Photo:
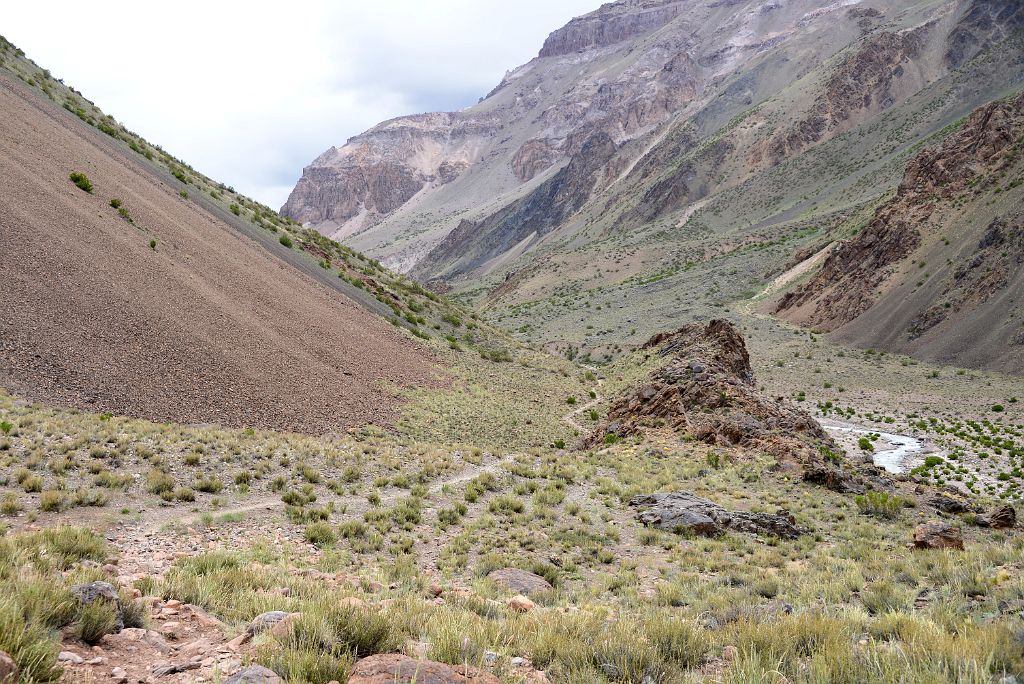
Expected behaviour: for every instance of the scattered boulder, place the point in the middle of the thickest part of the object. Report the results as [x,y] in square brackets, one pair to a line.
[1003,517]
[254,674]
[103,592]
[282,628]
[8,669]
[685,512]
[393,668]
[353,603]
[175,668]
[948,502]
[118,675]
[937,535]
[70,657]
[521,604]
[520,581]
[265,621]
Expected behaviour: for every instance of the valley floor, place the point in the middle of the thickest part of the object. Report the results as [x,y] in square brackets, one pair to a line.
[386,541]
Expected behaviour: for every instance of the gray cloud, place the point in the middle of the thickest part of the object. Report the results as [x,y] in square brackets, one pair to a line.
[249,92]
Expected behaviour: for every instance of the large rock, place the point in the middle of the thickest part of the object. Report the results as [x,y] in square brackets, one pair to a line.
[1003,517]
[937,535]
[100,591]
[8,669]
[265,621]
[254,674]
[685,512]
[393,668]
[520,581]
[707,391]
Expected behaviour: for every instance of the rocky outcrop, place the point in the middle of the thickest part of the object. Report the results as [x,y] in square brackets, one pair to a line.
[473,243]
[852,276]
[1004,517]
[687,513]
[613,23]
[377,172]
[937,535]
[867,80]
[982,24]
[707,392]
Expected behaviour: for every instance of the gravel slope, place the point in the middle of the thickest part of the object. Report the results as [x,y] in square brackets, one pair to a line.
[208,327]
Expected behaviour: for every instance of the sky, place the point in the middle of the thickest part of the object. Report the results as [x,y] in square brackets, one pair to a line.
[251,92]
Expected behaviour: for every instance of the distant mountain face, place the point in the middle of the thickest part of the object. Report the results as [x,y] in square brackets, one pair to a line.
[939,267]
[654,147]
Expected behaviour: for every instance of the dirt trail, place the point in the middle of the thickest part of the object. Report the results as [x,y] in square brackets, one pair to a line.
[570,418]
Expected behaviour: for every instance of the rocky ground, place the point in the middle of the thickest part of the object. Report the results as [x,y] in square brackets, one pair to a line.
[381,558]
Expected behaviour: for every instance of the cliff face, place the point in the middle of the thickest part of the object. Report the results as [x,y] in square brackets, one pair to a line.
[945,250]
[671,133]
[612,23]
[377,172]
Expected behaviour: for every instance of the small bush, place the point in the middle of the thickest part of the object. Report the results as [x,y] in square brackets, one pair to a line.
[81,180]
[95,621]
[51,501]
[319,534]
[286,241]
[879,504]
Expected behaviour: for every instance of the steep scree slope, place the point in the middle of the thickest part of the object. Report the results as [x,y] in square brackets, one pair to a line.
[205,326]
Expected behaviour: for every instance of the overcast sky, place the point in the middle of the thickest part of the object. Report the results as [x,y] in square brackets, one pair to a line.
[250,92]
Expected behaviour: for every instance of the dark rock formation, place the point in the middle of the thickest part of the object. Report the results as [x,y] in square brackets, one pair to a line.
[613,23]
[937,535]
[1003,517]
[537,214]
[685,512]
[707,391]
[852,276]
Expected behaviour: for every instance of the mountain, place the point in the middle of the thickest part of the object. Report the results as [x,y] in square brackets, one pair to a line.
[938,270]
[145,289]
[661,159]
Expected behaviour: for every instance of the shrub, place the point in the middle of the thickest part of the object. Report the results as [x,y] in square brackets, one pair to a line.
[998,408]
[81,180]
[159,482]
[879,504]
[286,241]
[235,209]
[95,621]
[115,203]
[10,506]
[51,501]
[319,534]
[210,485]
[865,444]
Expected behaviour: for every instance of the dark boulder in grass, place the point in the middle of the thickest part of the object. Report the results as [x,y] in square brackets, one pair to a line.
[8,669]
[103,592]
[1000,518]
[937,535]
[687,513]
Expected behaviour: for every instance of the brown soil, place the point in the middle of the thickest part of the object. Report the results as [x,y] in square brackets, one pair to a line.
[208,327]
